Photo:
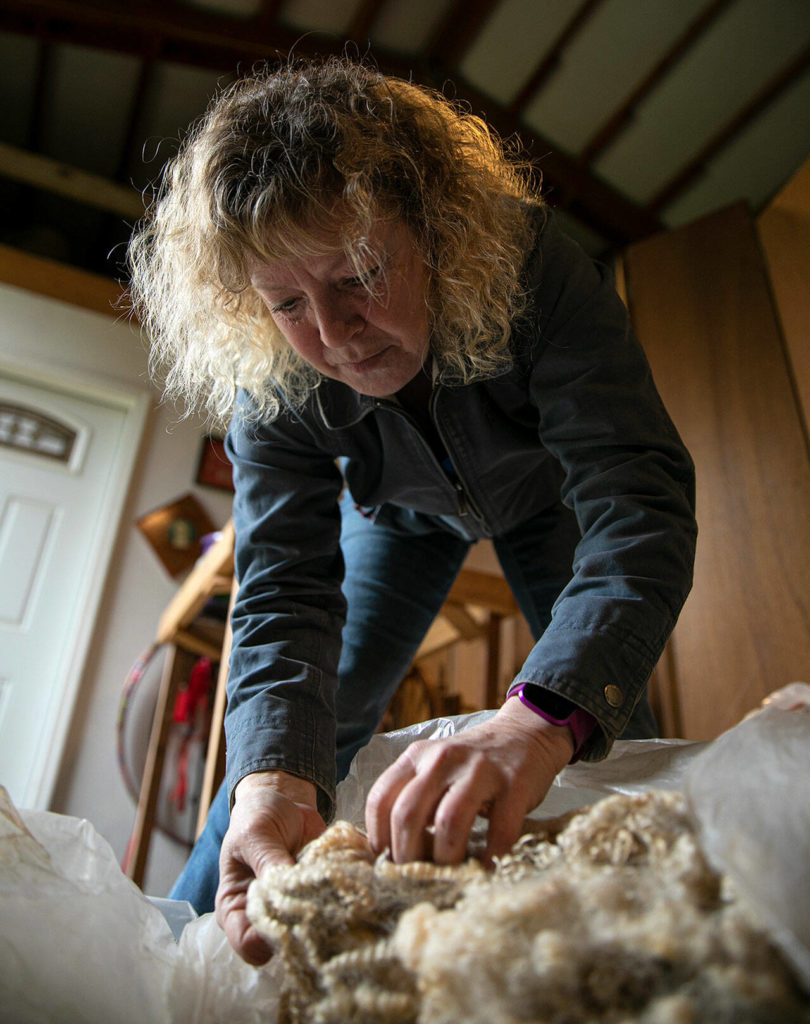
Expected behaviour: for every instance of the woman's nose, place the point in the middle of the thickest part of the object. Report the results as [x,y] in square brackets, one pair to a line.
[338,320]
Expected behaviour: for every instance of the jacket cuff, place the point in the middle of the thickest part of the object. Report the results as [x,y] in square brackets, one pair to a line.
[597,671]
[282,738]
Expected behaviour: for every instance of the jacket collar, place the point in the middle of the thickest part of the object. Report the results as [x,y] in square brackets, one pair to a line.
[340,406]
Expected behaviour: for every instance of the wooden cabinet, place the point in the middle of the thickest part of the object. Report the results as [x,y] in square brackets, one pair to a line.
[701,301]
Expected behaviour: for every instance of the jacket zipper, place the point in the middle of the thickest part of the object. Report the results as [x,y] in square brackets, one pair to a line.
[466,506]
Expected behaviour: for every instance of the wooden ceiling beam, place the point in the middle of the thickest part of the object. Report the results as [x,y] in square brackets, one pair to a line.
[756,105]
[207,36]
[566,183]
[267,17]
[59,281]
[456,31]
[225,43]
[132,141]
[551,61]
[37,119]
[49,175]
[366,15]
[611,128]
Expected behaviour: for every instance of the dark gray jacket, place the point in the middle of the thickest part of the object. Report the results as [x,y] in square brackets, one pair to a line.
[577,416]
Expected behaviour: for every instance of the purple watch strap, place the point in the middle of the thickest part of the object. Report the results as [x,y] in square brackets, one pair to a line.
[579,721]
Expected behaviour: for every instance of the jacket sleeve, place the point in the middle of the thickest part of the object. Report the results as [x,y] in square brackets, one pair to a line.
[630,482]
[289,610]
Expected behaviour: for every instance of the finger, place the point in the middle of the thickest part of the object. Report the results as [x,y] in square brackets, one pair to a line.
[415,808]
[241,933]
[411,818]
[380,802]
[506,819]
[456,813]
[231,911]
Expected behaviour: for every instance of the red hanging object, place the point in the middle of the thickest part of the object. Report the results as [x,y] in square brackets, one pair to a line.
[195,693]
[191,700]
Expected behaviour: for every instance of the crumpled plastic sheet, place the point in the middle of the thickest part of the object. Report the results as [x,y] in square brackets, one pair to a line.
[80,943]
[750,793]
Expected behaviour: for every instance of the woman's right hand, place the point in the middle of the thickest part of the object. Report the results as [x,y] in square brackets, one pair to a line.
[273,816]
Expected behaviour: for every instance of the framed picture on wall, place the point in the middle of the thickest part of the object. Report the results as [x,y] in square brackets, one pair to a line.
[175,532]
[214,468]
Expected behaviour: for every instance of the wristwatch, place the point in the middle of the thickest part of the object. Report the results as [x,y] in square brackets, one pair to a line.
[558,711]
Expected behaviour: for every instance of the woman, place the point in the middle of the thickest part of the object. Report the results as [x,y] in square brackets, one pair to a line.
[413,358]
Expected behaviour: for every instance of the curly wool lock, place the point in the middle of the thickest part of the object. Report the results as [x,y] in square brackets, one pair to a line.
[277,156]
[616,918]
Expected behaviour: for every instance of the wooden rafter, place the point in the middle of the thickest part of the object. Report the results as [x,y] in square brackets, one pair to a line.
[755,106]
[201,37]
[53,176]
[566,183]
[552,59]
[608,132]
[456,31]
[37,120]
[222,42]
[135,112]
[365,16]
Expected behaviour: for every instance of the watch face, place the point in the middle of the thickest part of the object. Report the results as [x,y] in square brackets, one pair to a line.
[549,702]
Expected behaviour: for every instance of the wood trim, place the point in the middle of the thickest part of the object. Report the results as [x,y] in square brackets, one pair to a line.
[59,281]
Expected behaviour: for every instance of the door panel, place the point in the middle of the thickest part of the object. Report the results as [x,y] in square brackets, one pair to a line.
[52,513]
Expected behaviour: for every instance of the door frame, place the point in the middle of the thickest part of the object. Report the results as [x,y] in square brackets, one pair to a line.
[135,405]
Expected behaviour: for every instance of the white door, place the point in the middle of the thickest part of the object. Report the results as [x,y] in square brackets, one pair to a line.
[64,461]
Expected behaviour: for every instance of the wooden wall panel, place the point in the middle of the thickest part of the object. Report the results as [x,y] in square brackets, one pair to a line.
[700,302]
[784,228]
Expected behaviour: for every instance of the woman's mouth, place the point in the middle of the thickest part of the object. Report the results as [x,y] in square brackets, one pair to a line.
[368,363]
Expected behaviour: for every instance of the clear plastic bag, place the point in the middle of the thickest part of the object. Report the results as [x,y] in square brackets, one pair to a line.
[750,792]
[79,942]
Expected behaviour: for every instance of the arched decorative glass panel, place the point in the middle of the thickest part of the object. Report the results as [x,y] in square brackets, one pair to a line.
[30,431]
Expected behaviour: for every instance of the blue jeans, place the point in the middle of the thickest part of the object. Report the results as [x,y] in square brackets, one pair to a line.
[399,570]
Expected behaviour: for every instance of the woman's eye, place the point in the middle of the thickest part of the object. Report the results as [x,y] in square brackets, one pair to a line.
[286,308]
[365,279]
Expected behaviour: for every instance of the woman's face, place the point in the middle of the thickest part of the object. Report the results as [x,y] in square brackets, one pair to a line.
[368,330]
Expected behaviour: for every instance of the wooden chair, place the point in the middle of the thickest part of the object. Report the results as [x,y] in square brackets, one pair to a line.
[187,636]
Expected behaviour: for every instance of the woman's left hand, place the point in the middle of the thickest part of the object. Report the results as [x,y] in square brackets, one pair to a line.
[501,769]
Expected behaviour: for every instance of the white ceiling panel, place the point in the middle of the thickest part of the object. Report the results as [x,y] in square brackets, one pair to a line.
[331,16]
[87,91]
[178,94]
[18,63]
[727,68]
[109,88]
[755,162]
[408,26]
[512,43]
[620,45]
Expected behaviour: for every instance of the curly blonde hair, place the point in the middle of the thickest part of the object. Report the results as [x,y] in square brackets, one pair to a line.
[260,175]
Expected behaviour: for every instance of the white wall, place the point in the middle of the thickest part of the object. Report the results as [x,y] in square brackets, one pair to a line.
[138,587]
